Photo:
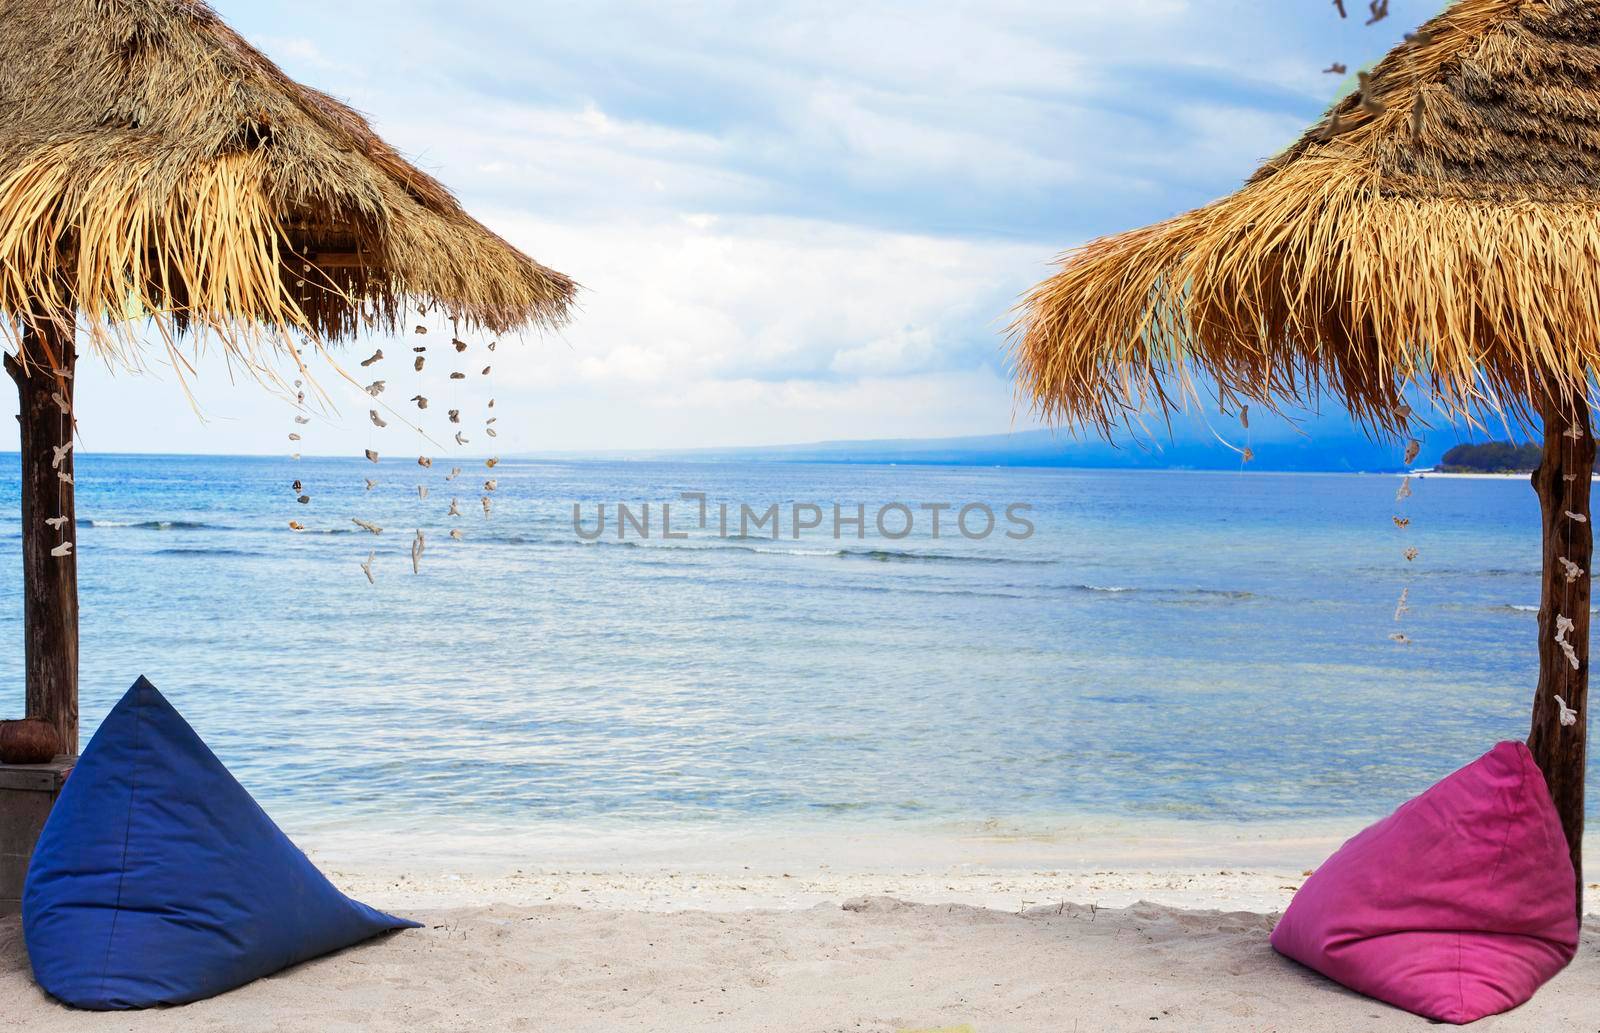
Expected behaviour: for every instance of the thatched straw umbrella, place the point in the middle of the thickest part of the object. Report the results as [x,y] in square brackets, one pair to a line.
[154,164]
[1438,232]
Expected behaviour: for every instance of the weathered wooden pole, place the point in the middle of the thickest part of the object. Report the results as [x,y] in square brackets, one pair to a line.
[49,583]
[1562,482]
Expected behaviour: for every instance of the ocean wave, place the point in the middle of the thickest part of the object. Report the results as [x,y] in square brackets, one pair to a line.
[943,593]
[765,550]
[1170,595]
[1195,596]
[154,525]
[737,544]
[914,556]
[202,552]
[1451,572]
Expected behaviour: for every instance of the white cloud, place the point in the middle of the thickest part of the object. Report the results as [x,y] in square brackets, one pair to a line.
[773,298]
[692,332]
[905,350]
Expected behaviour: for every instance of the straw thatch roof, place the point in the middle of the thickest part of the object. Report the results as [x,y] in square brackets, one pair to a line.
[154,163]
[1445,233]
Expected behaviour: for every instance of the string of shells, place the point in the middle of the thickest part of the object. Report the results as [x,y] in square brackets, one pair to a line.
[490,483]
[296,443]
[1566,715]
[1403,523]
[425,365]
[58,458]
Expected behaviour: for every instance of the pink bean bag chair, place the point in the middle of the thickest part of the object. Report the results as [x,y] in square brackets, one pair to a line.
[1458,905]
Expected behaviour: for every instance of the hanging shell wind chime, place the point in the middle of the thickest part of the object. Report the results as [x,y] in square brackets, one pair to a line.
[1403,606]
[59,455]
[454,412]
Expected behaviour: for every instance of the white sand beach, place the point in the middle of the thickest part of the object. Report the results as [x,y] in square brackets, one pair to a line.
[979,938]
[869,963]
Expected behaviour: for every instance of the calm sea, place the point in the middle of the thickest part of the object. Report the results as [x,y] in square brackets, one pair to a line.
[1204,646]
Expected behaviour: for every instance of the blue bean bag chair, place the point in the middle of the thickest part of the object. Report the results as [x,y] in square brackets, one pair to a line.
[158,880]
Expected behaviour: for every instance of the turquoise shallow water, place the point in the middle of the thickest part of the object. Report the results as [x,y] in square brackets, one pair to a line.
[1165,646]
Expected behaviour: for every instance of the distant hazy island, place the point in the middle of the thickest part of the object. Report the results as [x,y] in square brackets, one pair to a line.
[1490,457]
[1325,443]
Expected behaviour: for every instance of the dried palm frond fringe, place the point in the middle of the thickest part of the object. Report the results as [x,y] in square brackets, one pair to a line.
[155,166]
[1450,243]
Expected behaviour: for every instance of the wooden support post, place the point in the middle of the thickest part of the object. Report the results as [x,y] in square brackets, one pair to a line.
[49,583]
[1562,482]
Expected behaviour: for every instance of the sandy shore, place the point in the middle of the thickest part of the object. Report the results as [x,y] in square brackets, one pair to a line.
[1113,864]
[1127,929]
[866,965]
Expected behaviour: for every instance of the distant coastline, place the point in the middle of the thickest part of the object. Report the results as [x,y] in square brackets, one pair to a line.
[1491,457]
[1327,447]
[1467,475]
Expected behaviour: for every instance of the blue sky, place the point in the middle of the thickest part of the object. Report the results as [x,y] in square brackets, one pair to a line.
[794,221]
